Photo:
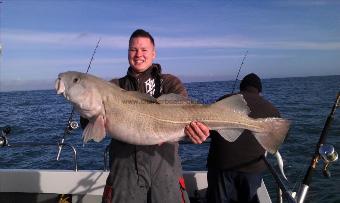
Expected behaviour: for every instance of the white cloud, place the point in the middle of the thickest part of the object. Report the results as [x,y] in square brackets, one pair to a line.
[304,45]
[20,37]
[63,62]
[305,3]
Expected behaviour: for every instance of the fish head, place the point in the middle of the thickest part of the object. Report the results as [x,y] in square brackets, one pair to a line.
[81,91]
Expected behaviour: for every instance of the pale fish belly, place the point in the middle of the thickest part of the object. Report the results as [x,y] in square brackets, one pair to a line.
[141,129]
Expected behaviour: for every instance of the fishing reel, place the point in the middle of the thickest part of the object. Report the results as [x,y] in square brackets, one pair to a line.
[72,125]
[3,137]
[328,155]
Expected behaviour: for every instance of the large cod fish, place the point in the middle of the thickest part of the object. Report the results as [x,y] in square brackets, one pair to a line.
[140,119]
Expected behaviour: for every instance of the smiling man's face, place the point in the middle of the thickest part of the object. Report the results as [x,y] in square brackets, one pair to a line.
[141,54]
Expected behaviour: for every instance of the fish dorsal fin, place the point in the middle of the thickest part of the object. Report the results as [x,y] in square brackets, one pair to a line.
[235,102]
[141,96]
[230,134]
[173,99]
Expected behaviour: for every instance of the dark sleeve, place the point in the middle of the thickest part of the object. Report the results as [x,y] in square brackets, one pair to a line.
[83,122]
[276,112]
[171,84]
[115,81]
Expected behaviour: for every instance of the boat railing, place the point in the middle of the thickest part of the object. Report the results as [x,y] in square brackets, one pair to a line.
[4,142]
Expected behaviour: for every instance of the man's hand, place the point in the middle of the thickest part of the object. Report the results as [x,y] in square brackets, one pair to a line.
[197,132]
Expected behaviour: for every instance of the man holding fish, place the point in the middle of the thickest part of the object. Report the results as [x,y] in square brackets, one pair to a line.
[148,173]
[148,119]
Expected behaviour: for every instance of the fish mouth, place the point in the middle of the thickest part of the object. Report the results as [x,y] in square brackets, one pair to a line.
[59,86]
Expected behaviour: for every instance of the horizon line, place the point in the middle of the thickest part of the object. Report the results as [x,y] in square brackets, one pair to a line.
[51,83]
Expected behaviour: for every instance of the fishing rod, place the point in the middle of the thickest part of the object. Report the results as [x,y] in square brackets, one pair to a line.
[239,70]
[322,152]
[286,192]
[72,125]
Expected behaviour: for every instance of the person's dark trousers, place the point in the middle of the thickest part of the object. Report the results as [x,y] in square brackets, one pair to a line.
[232,186]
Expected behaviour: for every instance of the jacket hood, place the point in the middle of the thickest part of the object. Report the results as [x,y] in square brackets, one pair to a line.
[154,70]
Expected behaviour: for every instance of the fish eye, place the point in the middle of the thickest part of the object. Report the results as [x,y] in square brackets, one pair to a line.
[75,80]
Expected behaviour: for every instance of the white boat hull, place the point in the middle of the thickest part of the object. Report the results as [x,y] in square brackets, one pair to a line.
[85,186]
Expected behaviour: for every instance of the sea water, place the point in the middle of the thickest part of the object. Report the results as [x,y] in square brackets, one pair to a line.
[38,120]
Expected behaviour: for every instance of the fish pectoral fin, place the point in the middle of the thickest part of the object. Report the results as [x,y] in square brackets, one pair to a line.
[95,130]
[230,134]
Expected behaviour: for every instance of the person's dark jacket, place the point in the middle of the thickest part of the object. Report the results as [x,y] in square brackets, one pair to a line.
[163,83]
[243,154]
[137,166]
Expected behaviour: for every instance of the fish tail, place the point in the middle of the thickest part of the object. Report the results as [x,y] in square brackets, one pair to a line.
[272,134]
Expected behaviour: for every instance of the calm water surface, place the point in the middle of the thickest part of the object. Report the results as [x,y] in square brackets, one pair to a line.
[40,117]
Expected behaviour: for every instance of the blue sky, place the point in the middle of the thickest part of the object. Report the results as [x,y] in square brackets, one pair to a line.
[195,40]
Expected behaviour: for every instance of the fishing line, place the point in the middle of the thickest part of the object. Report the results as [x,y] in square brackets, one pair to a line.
[87,70]
[92,57]
[239,70]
